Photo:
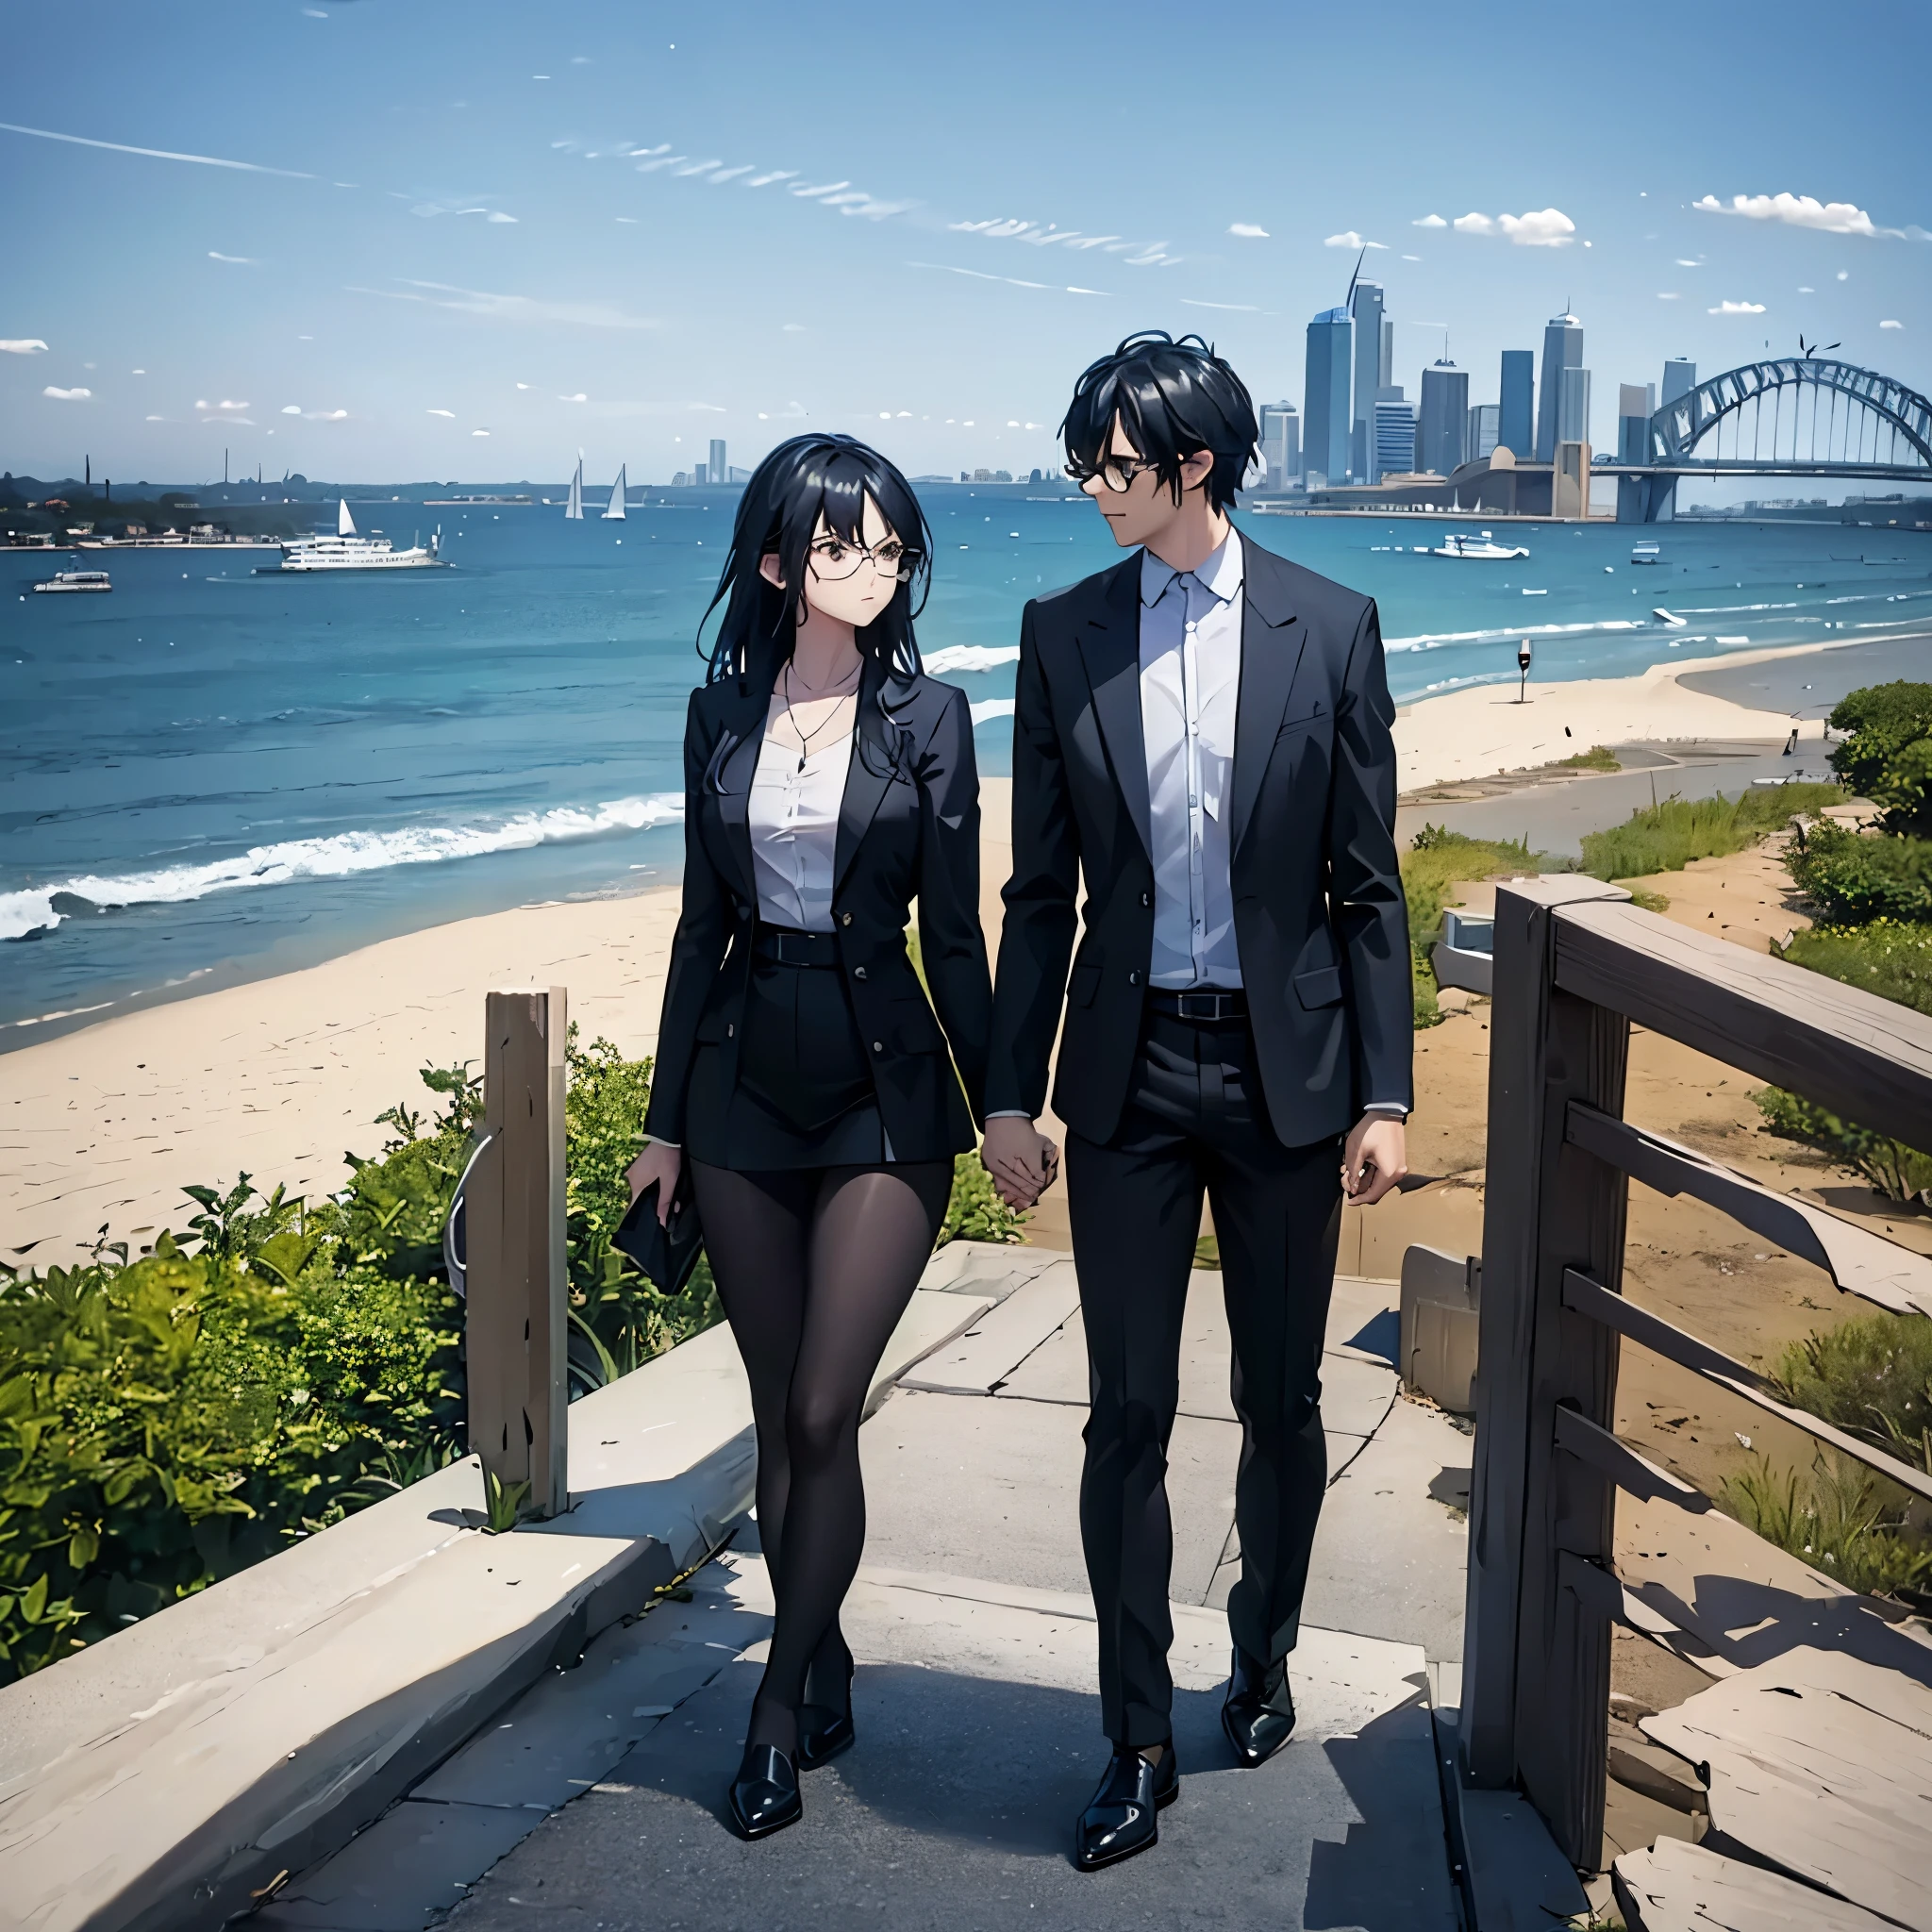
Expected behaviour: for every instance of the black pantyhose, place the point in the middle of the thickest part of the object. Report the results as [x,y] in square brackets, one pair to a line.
[814,1267]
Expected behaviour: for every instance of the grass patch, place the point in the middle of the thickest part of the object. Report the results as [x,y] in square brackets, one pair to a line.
[1855,877]
[1599,757]
[1888,956]
[1668,836]
[1841,1519]
[1436,863]
[1897,1172]
[1872,1379]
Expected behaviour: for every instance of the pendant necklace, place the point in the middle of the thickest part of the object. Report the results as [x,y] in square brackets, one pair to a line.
[804,737]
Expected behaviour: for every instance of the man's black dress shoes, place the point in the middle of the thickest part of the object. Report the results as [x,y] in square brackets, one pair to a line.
[1258,1715]
[1122,1817]
[764,1794]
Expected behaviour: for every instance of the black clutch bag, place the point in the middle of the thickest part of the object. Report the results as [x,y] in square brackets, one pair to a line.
[664,1253]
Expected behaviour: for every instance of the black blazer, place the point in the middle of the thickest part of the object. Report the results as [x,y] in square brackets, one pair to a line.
[909,828]
[1319,921]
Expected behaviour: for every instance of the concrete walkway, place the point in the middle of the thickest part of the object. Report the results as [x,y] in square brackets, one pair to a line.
[597,1800]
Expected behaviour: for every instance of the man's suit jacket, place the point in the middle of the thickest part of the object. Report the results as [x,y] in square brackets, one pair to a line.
[909,828]
[1320,921]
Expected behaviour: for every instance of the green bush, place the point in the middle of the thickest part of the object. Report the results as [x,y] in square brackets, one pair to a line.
[1899,1173]
[1887,754]
[1853,877]
[1885,956]
[1599,757]
[1872,1379]
[1842,1520]
[1436,863]
[1668,836]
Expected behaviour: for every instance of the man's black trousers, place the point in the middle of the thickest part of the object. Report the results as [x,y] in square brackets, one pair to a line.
[1195,1118]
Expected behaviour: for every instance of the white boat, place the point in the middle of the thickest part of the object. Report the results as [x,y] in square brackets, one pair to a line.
[1483,548]
[573,509]
[77,580]
[1646,553]
[613,511]
[346,550]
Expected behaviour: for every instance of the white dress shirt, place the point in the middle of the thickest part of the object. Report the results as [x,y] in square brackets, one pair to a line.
[793,817]
[1191,680]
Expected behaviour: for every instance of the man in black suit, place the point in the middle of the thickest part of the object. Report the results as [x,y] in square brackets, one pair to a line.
[1202,738]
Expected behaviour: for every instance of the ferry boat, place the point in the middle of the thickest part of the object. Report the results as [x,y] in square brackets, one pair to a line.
[346,550]
[1646,553]
[1483,548]
[75,580]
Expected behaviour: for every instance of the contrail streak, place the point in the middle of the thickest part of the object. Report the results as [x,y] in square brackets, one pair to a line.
[156,154]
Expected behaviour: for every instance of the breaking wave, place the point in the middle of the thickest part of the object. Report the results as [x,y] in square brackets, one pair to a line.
[969,657]
[39,909]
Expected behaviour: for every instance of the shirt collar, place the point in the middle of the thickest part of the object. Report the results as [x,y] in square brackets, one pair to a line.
[1221,575]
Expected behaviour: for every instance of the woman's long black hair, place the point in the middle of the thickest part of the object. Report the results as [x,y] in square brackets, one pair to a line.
[802,480]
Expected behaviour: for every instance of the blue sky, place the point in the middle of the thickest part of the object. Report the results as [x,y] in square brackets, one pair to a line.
[471,237]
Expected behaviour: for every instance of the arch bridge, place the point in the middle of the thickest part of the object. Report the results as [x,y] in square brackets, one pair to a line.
[1784,416]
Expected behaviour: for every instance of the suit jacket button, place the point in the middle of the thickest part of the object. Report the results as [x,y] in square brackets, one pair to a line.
[878,1046]
[845,919]
[1134,977]
[1147,898]
[859,973]
[730,1029]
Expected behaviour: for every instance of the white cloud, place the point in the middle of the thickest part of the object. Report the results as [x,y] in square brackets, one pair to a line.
[519,308]
[1686,262]
[1548,227]
[156,419]
[1799,211]
[1349,239]
[324,415]
[240,260]
[1667,295]
[217,406]
[1804,291]
[1844,274]
[1891,324]
[136,371]
[496,214]
[579,397]
[1244,307]
[291,408]
[795,329]
[479,432]
[1729,307]
[450,413]
[1474,224]
[1253,231]
[23,345]
[67,395]
[154,153]
[1429,221]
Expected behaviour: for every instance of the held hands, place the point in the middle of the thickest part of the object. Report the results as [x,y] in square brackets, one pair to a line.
[1022,1160]
[658,1163]
[1376,1158]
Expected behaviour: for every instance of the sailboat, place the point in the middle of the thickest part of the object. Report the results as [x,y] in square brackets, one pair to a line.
[615,508]
[573,509]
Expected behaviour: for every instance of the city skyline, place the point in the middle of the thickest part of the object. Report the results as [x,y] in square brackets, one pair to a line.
[471,242]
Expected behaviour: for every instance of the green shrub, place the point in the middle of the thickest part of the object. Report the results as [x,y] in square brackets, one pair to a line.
[1853,877]
[1886,754]
[1872,1379]
[1436,863]
[1884,956]
[1668,836]
[1899,1173]
[1843,1520]
[1599,757]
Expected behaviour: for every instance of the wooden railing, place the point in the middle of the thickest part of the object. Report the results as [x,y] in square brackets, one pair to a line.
[1574,965]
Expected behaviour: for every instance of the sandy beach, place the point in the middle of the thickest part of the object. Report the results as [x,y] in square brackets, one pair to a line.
[278,1077]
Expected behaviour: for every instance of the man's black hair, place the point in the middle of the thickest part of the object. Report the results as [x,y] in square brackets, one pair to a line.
[1173,398]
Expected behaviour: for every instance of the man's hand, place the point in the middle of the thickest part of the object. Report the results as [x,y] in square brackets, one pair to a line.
[1376,1158]
[1022,1160]
[658,1163]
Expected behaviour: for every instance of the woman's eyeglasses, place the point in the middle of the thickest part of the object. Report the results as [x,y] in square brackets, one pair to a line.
[833,559]
[1116,473]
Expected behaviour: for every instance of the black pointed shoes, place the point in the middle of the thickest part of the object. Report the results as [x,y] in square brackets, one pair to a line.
[1121,1818]
[1258,1715]
[764,1794]
[824,1729]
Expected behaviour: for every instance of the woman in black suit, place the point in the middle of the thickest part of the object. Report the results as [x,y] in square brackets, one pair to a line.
[800,1070]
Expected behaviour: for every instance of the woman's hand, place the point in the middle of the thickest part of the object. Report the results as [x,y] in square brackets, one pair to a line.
[1022,1160]
[658,1163]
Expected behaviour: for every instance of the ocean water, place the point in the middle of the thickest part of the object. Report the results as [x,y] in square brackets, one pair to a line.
[210,774]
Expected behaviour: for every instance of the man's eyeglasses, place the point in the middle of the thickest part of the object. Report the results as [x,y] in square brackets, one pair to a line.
[1116,473]
[833,559]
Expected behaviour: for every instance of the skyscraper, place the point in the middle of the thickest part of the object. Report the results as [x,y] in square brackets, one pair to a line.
[1394,434]
[1572,407]
[1281,444]
[1442,423]
[1516,414]
[717,469]
[1368,375]
[1680,377]
[1325,398]
[1636,404]
[1562,349]
[1482,432]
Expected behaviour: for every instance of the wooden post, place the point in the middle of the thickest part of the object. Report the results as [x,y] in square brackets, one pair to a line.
[518,1280]
[1536,1680]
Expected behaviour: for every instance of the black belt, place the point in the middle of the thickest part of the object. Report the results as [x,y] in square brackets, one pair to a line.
[1204,1007]
[785,947]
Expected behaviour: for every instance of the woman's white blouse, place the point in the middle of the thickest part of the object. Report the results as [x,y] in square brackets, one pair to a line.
[794,822]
